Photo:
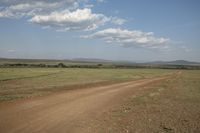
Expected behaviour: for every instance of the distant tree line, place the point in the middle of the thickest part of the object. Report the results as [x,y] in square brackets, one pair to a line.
[62,65]
[59,65]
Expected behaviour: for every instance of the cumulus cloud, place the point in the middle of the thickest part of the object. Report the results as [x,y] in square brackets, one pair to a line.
[130,38]
[62,15]
[18,9]
[81,19]
[27,9]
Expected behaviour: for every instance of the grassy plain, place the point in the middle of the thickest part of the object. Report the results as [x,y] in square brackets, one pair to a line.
[172,106]
[29,82]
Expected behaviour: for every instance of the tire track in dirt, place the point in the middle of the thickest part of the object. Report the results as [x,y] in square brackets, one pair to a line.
[68,111]
[38,76]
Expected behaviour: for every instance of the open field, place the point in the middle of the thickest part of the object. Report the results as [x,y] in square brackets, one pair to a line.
[153,101]
[29,82]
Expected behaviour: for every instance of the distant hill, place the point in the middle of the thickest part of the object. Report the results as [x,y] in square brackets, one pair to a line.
[95,60]
[176,62]
[90,60]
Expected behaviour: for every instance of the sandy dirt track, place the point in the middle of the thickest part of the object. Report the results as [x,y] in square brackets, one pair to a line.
[66,112]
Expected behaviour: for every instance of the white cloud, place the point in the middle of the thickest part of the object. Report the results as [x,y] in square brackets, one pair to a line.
[130,38]
[117,21]
[27,9]
[11,2]
[30,8]
[80,19]
[62,15]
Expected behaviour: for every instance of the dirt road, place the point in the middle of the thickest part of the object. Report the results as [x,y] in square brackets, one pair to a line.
[80,110]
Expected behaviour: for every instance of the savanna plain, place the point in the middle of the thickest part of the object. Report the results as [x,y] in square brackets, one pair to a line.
[65,100]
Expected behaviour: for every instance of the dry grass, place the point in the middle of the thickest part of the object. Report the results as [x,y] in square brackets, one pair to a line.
[18,83]
[168,107]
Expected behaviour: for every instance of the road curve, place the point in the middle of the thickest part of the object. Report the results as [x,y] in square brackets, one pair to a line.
[66,112]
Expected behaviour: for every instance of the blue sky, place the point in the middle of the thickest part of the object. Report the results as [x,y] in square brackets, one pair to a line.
[134,30]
